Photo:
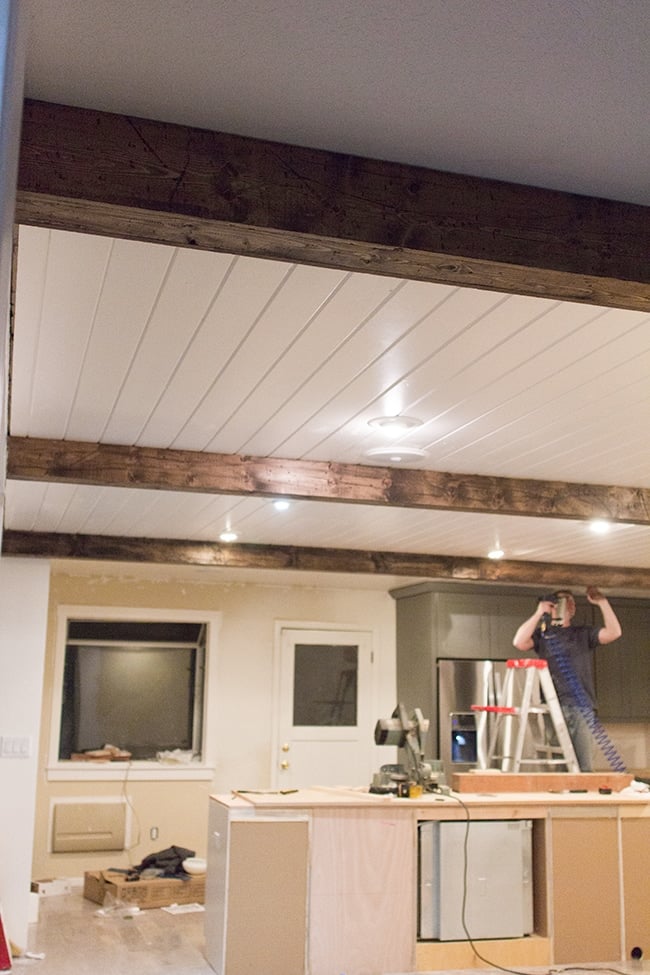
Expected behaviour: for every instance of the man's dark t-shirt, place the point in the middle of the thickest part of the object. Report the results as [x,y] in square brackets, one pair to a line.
[578,644]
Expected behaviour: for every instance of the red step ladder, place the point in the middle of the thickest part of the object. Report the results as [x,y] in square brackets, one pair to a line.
[542,737]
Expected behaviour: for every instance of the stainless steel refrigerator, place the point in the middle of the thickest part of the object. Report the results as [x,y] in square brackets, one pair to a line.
[462,683]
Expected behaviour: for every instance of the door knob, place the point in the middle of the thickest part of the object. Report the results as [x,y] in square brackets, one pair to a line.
[284,764]
[286,746]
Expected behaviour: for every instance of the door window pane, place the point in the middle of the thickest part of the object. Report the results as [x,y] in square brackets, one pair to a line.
[325,685]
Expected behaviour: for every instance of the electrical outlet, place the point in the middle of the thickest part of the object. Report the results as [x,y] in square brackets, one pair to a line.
[153,833]
[15,746]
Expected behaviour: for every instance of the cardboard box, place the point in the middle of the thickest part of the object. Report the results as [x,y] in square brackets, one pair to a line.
[107,887]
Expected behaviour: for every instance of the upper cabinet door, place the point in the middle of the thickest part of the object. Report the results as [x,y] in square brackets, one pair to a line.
[623,667]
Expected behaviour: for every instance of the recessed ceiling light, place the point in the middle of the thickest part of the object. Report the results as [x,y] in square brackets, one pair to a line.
[281,505]
[599,526]
[395,424]
[228,536]
[496,553]
[396,454]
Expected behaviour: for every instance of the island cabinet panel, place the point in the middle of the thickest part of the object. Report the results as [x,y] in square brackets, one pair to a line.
[586,893]
[267,897]
[635,844]
[325,881]
[256,894]
[362,891]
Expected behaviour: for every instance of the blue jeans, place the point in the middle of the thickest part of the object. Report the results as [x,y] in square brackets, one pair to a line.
[580,734]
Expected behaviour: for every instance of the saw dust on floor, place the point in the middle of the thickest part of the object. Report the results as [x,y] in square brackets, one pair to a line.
[75,938]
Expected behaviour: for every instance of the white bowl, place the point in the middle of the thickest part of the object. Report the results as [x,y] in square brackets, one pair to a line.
[194,865]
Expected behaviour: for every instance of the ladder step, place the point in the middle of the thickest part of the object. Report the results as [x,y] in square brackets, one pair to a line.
[537,683]
[542,761]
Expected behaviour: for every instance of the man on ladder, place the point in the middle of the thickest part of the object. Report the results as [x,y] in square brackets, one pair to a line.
[569,650]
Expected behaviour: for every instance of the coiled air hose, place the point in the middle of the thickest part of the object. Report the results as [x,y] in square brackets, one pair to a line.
[564,666]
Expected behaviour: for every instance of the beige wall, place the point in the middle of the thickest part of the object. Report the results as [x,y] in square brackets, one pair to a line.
[23,616]
[243,696]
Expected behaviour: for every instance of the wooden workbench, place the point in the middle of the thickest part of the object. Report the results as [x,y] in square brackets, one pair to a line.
[325,880]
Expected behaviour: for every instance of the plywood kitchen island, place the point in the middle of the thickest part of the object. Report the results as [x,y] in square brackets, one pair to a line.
[323,881]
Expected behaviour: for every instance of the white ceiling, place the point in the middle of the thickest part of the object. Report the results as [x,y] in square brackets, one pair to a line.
[545,92]
[144,344]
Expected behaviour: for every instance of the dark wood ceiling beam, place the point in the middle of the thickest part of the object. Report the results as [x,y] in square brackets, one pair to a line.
[215,555]
[74,462]
[110,174]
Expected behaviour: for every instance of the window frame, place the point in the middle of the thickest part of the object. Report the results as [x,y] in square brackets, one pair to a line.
[143,769]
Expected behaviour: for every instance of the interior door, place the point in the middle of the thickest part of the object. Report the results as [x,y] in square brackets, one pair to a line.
[325,725]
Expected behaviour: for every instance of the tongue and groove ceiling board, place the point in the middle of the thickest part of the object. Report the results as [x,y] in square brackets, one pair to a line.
[172,352]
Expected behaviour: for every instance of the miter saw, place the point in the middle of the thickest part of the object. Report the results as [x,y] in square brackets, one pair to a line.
[410,734]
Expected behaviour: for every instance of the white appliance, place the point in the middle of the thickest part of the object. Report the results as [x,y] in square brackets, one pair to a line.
[495,882]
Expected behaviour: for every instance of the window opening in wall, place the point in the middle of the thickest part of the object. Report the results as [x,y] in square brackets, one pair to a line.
[325,685]
[137,685]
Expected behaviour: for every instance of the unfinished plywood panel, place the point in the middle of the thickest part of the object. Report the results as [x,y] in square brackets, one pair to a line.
[494,781]
[267,897]
[363,891]
[439,956]
[586,890]
[636,887]
[79,827]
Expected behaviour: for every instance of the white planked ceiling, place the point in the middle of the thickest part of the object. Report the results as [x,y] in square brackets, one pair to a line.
[143,344]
